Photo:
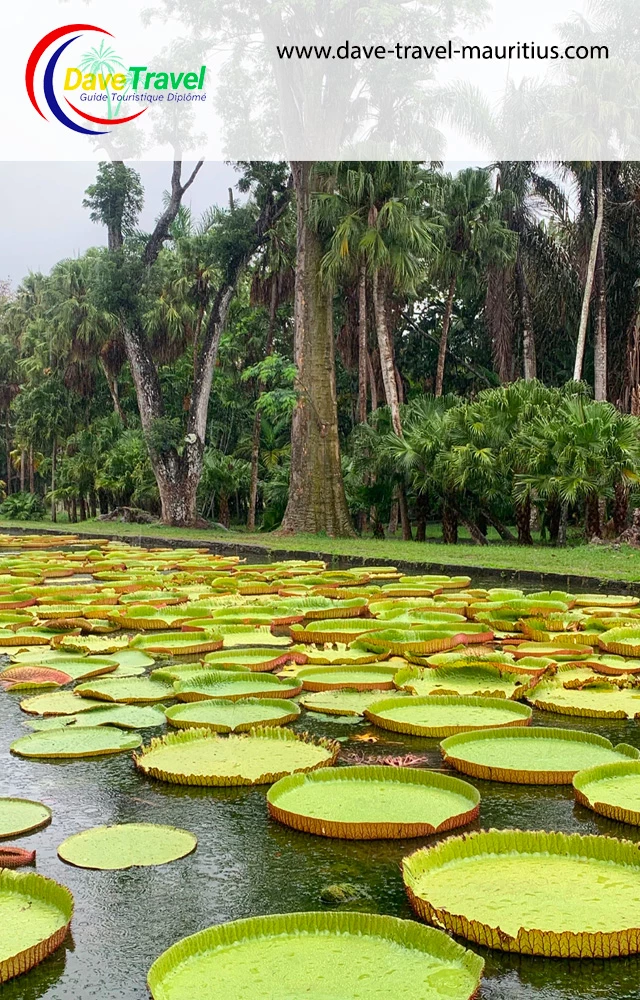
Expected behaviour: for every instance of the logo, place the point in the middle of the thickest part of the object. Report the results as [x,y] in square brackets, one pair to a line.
[100,76]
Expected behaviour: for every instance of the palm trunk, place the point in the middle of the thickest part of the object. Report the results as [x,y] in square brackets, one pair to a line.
[591,269]
[8,456]
[31,470]
[600,345]
[392,527]
[505,534]
[407,534]
[528,338]
[317,501]
[592,524]
[385,348]
[373,387]
[444,336]
[562,525]
[621,507]
[422,510]
[363,352]
[523,522]
[257,420]
[113,390]
[23,462]
[53,480]
[449,523]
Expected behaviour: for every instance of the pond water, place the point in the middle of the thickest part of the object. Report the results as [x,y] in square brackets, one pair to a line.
[247,864]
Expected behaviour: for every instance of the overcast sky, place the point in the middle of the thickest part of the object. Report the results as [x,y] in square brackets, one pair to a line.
[43,220]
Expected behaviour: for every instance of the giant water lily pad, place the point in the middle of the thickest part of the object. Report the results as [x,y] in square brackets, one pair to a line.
[148,618]
[423,641]
[18,816]
[613,790]
[87,644]
[346,701]
[223,715]
[244,635]
[438,716]
[366,803]
[532,755]
[200,757]
[623,641]
[334,655]
[318,956]
[235,684]
[127,690]
[596,699]
[56,658]
[36,914]
[122,716]
[25,678]
[94,741]
[127,845]
[482,681]
[335,629]
[553,894]
[613,666]
[367,677]
[178,643]
[251,659]
[58,703]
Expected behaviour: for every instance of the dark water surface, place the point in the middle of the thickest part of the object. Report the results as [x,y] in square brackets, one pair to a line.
[247,864]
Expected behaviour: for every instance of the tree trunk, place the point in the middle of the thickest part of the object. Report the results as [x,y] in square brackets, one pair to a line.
[529,360]
[407,534]
[592,527]
[257,420]
[363,351]
[23,462]
[112,383]
[562,525]
[385,348]
[92,504]
[449,523]
[83,508]
[54,515]
[476,534]
[621,507]
[317,501]
[505,534]
[103,502]
[553,514]
[8,456]
[392,527]
[224,514]
[31,470]
[373,387]
[591,268]
[444,336]
[600,344]
[499,320]
[73,514]
[523,522]
[422,512]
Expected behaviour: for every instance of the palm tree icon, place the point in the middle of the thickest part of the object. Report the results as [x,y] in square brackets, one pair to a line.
[103,59]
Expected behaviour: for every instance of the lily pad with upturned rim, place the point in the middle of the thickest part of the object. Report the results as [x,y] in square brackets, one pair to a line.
[19,816]
[122,716]
[200,757]
[234,684]
[536,893]
[367,677]
[613,790]
[25,678]
[58,703]
[367,803]
[318,955]
[223,715]
[482,681]
[335,655]
[95,741]
[532,755]
[36,914]
[597,699]
[127,845]
[178,643]
[127,690]
[438,716]
[346,701]
[259,660]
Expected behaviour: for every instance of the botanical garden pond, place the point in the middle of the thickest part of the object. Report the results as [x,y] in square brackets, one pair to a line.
[246,863]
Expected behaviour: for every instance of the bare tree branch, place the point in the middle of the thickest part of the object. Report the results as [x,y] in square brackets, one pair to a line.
[163,225]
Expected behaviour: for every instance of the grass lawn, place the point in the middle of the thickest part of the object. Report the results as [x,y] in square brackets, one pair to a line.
[598,562]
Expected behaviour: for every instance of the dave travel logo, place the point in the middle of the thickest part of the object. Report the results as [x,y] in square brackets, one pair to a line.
[101,80]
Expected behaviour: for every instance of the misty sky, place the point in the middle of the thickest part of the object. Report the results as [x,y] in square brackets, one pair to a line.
[43,220]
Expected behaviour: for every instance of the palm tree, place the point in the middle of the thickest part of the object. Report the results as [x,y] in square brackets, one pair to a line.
[102,59]
[475,238]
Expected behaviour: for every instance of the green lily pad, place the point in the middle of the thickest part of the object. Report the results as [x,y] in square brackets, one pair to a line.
[317,955]
[345,701]
[613,790]
[18,816]
[481,681]
[234,684]
[366,803]
[58,703]
[178,643]
[92,741]
[243,635]
[531,755]
[25,678]
[599,699]
[122,716]
[335,629]
[127,690]
[36,914]
[367,677]
[127,845]
[225,716]
[443,716]
[338,654]
[145,617]
[200,757]
[251,659]
[537,893]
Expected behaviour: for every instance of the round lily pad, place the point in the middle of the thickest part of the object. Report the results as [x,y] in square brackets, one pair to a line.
[367,677]
[235,684]
[480,681]
[553,894]
[346,701]
[597,699]
[122,716]
[127,845]
[18,816]
[317,955]
[58,703]
[127,690]
[94,741]
[200,757]
[251,659]
[87,644]
[438,716]
[367,803]
[178,643]
[531,755]
[613,790]
[225,716]
[336,656]
[25,678]
[36,914]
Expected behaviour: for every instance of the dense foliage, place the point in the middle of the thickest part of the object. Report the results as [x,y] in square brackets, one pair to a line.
[404,338]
